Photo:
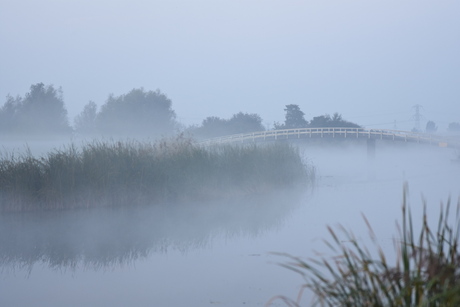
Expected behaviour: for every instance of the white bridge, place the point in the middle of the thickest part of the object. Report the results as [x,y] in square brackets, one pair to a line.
[333,132]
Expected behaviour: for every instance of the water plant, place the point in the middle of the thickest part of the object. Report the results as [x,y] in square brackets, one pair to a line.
[110,173]
[426,272]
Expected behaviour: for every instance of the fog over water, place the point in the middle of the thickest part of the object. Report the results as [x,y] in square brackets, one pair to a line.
[381,64]
[217,254]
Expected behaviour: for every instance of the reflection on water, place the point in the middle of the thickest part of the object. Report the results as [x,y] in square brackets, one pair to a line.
[103,238]
[215,254]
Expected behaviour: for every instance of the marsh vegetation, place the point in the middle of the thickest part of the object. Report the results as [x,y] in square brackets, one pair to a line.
[113,173]
[425,272]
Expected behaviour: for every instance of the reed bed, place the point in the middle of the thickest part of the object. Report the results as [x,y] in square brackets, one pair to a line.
[426,272]
[112,173]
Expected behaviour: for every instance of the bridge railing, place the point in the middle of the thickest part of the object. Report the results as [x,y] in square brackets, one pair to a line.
[332,132]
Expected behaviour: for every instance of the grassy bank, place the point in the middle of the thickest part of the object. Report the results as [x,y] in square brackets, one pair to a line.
[425,273]
[104,173]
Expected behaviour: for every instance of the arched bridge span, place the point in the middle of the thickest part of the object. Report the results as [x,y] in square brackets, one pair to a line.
[336,132]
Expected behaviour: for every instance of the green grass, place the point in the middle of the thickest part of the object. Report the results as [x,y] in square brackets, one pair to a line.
[104,173]
[426,272]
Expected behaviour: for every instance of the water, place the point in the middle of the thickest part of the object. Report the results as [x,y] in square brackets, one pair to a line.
[215,254]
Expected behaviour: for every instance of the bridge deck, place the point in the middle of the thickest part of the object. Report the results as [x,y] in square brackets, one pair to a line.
[356,133]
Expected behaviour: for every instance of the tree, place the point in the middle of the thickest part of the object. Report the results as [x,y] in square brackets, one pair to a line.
[85,122]
[431,127]
[212,126]
[454,127]
[338,121]
[294,118]
[239,123]
[137,113]
[335,121]
[9,113]
[320,121]
[245,123]
[42,111]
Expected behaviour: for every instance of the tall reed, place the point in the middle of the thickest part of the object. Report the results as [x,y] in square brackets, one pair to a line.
[105,173]
[426,272]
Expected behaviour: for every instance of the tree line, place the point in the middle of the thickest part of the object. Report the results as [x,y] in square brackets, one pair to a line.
[42,112]
[139,113]
[295,118]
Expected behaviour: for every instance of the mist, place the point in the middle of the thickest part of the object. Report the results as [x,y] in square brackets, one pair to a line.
[122,182]
[204,253]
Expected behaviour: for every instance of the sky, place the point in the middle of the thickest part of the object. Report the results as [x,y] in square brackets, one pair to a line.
[371,61]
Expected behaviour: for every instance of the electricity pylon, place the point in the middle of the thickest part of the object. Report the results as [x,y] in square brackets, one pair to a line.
[417,116]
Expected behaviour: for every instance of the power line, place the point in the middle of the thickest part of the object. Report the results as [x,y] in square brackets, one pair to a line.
[372,115]
[388,123]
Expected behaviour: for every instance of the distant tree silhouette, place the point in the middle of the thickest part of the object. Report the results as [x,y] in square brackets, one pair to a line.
[336,120]
[320,121]
[85,122]
[294,118]
[245,123]
[137,113]
[431,127]
[9,115]
[213,126]
[454,127]
[41,111]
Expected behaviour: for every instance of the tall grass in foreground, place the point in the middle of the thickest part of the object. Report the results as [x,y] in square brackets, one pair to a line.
[426,272]
[105,173]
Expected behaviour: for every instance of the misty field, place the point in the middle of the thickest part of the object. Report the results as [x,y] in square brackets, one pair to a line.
[113,173]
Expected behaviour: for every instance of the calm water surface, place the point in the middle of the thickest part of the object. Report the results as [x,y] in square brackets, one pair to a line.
[214,254]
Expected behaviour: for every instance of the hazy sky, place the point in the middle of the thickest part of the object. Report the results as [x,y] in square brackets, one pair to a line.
[372,61]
